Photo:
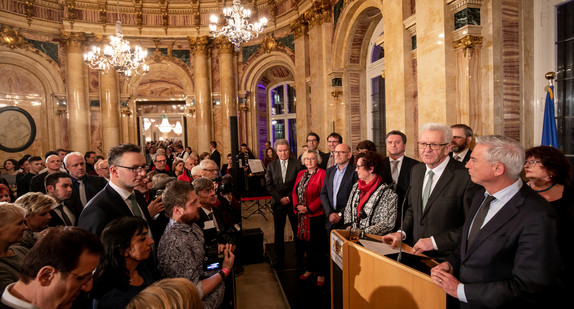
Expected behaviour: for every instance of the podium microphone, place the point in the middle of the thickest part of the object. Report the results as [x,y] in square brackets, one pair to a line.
[400,255]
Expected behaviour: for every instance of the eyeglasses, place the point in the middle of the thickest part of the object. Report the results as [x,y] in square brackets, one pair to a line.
[364,166]
[312,140]
[85,278]
[211,170]
[135,170]
[310,159]
[432,146]
[161,161]
[340,152]
[532,162]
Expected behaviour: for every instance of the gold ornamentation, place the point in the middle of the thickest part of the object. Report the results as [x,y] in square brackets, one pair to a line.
[103,14]
[224,45]
[269,43]
[468,43]
[199,44]
[299,26]
[13,39]
[73,40]
[71,5]
[29,6]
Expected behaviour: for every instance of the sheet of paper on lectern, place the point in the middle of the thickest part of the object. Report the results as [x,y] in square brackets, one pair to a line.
[256,166]
[378,247]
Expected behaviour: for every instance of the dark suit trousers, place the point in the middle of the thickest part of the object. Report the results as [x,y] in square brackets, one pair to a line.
[317,247]
[280,212]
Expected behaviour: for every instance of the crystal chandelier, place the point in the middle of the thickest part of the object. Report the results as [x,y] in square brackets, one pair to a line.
[118,55]
[238,29]
[165,126]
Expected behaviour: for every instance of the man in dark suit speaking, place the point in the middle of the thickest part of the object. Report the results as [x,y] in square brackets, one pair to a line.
[339,181]
[508,256]
[118,199]
[440,194]
[280,179]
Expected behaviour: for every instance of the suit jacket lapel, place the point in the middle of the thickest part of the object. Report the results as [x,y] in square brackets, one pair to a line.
[509,210]
[444,179]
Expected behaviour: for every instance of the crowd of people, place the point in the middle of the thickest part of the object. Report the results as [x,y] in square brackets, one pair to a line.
[162,225]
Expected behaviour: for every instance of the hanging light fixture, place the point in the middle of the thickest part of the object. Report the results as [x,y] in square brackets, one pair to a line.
[165,126]
[118,55]
[178,129]
[238,29]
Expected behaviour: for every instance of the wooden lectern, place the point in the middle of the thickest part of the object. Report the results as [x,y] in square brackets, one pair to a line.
[371,280]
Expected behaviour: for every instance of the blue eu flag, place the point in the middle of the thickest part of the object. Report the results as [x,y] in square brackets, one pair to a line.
[549,132]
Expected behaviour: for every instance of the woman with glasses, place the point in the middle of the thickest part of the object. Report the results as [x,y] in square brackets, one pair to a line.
[12,229]
[549,173]
[125,268]
[311,218]
[372,204]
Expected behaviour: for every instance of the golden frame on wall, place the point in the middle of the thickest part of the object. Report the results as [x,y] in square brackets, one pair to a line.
[17,129]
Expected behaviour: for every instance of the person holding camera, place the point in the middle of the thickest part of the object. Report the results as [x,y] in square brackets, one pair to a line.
[182,248]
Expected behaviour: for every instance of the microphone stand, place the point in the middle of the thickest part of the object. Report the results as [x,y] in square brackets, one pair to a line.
[400,255]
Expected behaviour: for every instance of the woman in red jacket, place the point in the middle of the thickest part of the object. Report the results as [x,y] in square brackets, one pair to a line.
[307,206]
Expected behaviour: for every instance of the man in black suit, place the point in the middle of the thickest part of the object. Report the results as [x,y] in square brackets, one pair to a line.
[119,199]
[59,186]
[508,256]
[23,183]
[397,167]
[280,179]
[313,141]
[53,164]
[333,140]
[461,139]
[339,181]
[215,156]
[85,186]
[160,162]
[440,194]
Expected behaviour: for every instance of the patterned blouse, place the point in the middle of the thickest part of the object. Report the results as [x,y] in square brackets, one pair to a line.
[380,210]
[180,255]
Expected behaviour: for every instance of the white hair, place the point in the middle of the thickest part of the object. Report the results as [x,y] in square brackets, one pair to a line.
[447,131]
[504,150]
[205,162]
[75,153]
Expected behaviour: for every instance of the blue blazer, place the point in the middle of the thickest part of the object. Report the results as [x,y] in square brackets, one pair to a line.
[349,179]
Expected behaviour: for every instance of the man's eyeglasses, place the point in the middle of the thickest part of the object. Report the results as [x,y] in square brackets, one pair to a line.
[85,278]
[340,152]
[432,146]
[312,140]
[135,170]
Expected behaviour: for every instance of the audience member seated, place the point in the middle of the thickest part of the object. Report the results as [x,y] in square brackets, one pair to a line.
[372,204]
[12,227]
[550,174]
[4,193]
[311,218]
[177,167]
[124,269]
[181,250]
[169,293]
[56,270]
[37,217]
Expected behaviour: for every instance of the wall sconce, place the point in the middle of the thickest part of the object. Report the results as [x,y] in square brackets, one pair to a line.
[336,93]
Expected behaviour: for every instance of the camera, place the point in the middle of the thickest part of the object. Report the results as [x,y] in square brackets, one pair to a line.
[158,193]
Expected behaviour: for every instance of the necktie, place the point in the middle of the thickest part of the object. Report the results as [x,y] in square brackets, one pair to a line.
[427,190]
[479,219]
[458,158]
[135,207]
[395,172]
[82,189]
[65,217]
[331,161]
[284,169]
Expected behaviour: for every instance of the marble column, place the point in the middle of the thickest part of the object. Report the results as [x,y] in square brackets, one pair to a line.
[436,69]
[78,106]
[110,108]
[468,84]
[228,92]
[399,88]
[204,123]
[319,30]
[301,42]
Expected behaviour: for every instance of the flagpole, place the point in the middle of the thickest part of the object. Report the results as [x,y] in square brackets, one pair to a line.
[550,76]
[549,130]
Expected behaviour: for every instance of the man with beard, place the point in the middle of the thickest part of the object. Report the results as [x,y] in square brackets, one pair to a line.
[461,139]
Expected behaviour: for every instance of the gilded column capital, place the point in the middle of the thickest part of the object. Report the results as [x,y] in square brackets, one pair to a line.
[319,13]
[224,45]
[199,44]
[73,41]
[468,43]
[299,26]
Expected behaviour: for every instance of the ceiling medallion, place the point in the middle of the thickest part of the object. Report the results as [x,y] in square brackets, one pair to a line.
[238,29]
